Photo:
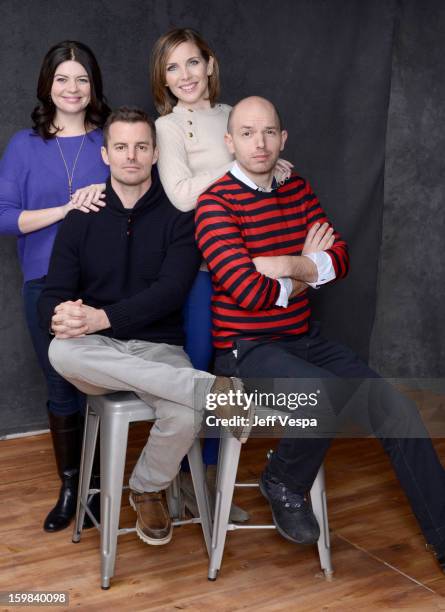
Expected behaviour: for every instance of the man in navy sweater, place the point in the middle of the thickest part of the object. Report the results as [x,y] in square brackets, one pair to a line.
[115,289]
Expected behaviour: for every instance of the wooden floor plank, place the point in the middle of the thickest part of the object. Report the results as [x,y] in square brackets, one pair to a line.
[378,553]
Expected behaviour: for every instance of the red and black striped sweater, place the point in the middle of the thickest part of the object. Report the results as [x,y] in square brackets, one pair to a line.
[234,224]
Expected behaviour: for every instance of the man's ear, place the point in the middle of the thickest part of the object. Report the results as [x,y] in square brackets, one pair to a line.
[229,143]
[155,156]
[283,139]
[104,153]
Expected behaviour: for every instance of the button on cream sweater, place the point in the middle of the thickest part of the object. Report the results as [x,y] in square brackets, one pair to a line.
[192,152]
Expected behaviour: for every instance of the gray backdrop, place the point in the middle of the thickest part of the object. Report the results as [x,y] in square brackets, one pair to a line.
[408,338]
[354,80]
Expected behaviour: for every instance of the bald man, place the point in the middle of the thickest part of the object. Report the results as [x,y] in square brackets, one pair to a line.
[265,245]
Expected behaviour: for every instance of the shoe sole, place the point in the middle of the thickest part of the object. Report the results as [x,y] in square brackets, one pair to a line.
[279,529]
[48,530]
[153,541]
[145,538]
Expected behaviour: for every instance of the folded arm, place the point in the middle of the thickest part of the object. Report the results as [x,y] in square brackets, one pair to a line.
[324,256]
[220,240]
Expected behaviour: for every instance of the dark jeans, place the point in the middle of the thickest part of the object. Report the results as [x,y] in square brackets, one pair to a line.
[63,398]
[198,346]
[392,418]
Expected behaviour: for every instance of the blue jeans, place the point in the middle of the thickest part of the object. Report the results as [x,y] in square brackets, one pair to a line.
[63,398]
[198,345]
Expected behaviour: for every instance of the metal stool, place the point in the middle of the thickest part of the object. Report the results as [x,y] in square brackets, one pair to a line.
[114,413]
[229,454]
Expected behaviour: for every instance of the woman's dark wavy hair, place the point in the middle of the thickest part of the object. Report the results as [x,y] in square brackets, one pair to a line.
[97,110]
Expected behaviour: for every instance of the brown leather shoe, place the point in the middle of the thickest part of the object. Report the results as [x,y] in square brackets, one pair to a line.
[238,412]
[153,524]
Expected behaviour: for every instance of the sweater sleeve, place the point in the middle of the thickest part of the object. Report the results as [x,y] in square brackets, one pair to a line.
[181,187]
[63,278]
[339,251]
[222,245]
[169,291]
[11,171]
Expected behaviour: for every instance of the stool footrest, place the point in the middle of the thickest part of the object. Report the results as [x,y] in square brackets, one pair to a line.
[233,526]
[177,522]
[246,485]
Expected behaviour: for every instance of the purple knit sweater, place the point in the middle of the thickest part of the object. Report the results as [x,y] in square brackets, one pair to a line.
[33,176]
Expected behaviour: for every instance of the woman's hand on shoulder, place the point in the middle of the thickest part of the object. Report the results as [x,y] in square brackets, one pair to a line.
[88,198]
[283,170]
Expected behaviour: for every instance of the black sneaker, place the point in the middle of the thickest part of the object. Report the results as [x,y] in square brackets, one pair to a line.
[292,515]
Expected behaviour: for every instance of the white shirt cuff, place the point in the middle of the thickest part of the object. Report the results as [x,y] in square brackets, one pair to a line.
[285,291]
[325,268]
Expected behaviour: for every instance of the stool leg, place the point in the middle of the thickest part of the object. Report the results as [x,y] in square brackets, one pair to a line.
[201,492]
[229,454]
[113,446]
[86,465]
[319,506]
[173,494]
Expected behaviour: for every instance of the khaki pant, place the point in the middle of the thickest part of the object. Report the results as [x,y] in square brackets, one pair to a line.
[161,375]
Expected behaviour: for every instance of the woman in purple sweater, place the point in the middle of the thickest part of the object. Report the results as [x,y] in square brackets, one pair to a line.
[40,170]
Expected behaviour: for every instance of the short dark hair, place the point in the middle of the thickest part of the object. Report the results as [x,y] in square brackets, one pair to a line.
[44,113]
[129,114]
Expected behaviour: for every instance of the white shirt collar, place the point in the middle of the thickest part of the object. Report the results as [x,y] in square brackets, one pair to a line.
[241,176]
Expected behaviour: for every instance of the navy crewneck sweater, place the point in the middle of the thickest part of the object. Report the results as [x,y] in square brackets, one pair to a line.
[137,264]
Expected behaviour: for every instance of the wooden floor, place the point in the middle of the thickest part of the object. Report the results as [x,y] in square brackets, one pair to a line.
[379,557]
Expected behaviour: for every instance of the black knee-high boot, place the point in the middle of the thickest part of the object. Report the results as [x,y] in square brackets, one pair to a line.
[66,435]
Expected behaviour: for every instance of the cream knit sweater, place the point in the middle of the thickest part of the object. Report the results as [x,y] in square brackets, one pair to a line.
[192,153]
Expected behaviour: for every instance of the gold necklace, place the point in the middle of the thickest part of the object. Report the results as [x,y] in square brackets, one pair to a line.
[70,176]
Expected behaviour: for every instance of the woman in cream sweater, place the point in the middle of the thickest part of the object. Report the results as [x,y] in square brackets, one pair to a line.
[192,155]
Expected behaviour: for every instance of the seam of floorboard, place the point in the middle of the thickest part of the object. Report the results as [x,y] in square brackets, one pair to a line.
[389,565]
[24,434]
